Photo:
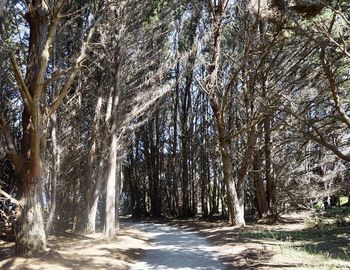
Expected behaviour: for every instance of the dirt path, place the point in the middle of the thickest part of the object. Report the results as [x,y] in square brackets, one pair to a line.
[173,248]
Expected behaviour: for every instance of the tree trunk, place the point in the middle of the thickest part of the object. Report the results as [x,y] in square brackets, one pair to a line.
[55,163]
[90,226]
[174,186]
[110,226]
[93,180]
[270,185]
[243,169]
[236,214]
[260,195]
[30,236]
[118,190]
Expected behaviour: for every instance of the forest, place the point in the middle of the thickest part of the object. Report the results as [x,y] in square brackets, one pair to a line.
[232,111]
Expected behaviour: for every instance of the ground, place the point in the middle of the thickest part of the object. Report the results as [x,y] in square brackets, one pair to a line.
[301,240]
[80,252]
[175,249]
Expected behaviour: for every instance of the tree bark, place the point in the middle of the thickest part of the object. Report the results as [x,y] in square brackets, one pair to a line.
[30,235]
[110,225]
[270,185]
[243,169]
[260,195]
[55,164]
[90,226]
[236,214]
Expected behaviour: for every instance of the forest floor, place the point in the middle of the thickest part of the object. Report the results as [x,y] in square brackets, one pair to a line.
[303,240]
[71,251]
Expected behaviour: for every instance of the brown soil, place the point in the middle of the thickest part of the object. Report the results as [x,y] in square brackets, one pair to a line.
[71,251]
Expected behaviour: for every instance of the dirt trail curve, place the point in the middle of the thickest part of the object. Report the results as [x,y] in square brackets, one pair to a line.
[173,248]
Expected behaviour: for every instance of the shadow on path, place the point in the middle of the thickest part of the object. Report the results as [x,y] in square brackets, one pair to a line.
[173,248]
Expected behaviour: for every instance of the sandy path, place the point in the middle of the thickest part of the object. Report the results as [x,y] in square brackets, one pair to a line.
[173,248]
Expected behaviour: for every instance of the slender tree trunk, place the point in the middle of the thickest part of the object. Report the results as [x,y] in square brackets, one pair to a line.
[156,209]
[110,225]
[90,226]
[243,169]
[55,164]
[119,189]
[215,195]
[93,180]
[270,185]
[260,195]
[174,187]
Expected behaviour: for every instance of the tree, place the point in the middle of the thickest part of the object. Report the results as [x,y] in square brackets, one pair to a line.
[43,19]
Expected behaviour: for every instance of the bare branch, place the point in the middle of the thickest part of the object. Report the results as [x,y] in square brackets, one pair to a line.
[13,154]
[45,55]
[333,87]
[27,98]
[75,69]
[9,197]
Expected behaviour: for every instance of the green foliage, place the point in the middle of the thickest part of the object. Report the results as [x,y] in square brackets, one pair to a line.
[343,200]
[156,9]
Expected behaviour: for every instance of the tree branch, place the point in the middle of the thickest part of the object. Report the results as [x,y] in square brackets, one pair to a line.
[9,197]
[39,82]
[14,156]
[27,98]
[321,140]
[332,83]
[74,71]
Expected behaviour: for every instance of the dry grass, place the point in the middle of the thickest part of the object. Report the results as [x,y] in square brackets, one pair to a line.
[70,251]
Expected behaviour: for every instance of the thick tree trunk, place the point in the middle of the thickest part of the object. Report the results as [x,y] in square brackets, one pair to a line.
[30,235]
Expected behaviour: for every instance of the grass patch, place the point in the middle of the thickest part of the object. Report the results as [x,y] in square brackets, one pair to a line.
[325,244]
[343,200]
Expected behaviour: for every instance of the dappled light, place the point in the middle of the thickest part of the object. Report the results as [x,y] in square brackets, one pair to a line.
[173,248]
[70,251]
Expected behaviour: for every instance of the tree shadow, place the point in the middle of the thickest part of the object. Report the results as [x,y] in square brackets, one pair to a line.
[77,252]
[333,242]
